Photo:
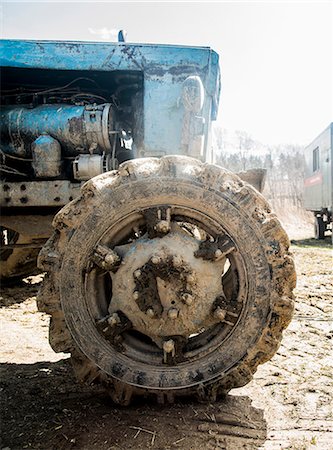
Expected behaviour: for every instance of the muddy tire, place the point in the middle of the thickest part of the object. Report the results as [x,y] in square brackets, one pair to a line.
[203,234]
[16,263]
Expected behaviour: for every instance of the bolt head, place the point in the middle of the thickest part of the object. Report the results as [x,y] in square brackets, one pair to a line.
[155,259]
[136,295]
[177,261]
[220,313]
[169,346]
[173,313]
[150,312]
[113,320]
[188,299]
[190,278]
[218,254]
[163,226]
[109,259]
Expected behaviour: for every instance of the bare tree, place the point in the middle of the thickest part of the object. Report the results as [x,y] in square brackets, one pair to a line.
[284,164]
[245,145]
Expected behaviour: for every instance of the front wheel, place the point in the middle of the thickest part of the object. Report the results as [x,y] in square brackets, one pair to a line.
[168,277]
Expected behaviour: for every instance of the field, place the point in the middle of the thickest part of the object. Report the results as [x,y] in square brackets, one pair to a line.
[287,405]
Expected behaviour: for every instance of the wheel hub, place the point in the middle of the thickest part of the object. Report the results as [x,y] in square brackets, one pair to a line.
[164,289]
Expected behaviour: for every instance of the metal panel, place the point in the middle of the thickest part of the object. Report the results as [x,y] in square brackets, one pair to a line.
[164,67]
[318,184]
[38,193]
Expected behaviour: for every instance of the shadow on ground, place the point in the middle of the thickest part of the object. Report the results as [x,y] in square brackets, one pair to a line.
[44,408]
[18,292]
[311,242]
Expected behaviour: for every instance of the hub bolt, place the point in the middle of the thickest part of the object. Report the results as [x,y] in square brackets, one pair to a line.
[162,226]
[173,313]
[168,347]
[137,273]
[190,279]
[220,313]
[150,312]
[136,295]
[187,298]
[113,320]
[105,258]
[110,259]
[156,259]
[177,261]
[218,254]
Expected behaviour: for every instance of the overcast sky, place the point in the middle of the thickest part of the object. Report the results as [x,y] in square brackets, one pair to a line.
[276,58]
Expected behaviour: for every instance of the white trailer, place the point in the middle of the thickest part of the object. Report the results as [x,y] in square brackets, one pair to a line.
[318,185]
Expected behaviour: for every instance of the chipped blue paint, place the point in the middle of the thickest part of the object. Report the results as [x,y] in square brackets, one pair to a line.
[164,69]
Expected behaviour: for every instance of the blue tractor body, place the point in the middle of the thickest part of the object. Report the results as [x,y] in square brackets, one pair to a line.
[154,86]
[166,275]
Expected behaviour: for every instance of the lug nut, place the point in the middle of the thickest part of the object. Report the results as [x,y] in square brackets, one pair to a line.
[177,261]
[190,279]
[187,298]
[220,313]
[110,259]
[173,313]
[136,295]
[218,254]
[137,273]
[162,226]
[113,320]
[150,312]
[169,346]
[105,258]
[156,259]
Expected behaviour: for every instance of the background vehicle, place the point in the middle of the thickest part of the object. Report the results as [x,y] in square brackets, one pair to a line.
[318,188]
[166,275]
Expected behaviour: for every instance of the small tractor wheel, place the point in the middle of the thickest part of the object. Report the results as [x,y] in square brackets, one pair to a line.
[319,227]
[16,263]
[168,277]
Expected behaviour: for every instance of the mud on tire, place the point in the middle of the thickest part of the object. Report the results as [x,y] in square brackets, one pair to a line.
[118,213]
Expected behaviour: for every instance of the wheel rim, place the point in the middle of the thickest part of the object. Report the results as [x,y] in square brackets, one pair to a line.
[223,309]
[197,325]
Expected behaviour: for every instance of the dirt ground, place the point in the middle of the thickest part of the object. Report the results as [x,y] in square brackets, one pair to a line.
[288,405]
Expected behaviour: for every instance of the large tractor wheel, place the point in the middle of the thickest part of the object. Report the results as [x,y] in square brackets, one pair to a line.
[16,263]
[168,277]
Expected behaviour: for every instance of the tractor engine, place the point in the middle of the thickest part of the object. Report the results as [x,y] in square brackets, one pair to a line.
[61,135]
